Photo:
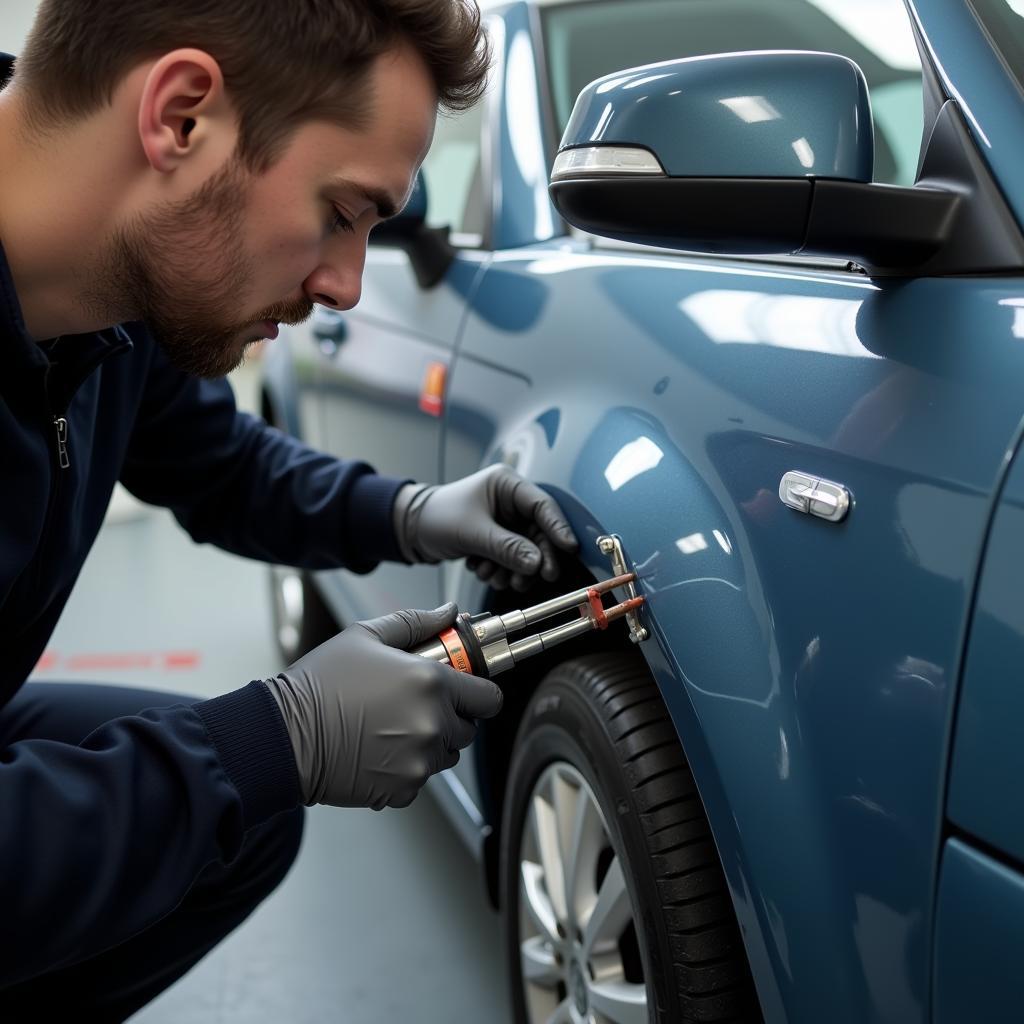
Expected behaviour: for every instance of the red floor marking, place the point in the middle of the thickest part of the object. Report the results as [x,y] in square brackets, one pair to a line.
[181,659]
[92,662]
[47,661]
[177,661]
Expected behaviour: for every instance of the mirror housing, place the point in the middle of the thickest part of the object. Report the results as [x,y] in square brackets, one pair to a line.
[777,114]
[764,153]
[428,248]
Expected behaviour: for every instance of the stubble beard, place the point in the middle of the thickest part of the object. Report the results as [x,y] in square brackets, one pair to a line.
[181,269]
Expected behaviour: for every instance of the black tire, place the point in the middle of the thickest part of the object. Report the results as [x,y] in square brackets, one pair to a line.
[601,718]
[301,619]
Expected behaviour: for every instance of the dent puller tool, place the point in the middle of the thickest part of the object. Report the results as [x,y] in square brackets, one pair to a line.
[479,644]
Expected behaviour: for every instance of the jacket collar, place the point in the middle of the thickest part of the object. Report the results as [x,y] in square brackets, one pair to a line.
[23,357]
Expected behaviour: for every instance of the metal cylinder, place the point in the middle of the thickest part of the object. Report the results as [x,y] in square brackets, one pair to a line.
[498,657]
[546,609]
[435,651]
[549,638]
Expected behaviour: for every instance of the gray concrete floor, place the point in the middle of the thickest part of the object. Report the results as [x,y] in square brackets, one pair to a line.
[383,917]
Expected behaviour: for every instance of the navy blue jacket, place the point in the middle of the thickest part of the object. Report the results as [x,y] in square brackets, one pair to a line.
[158,796]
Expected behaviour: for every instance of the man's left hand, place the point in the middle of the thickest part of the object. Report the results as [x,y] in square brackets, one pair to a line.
[505,526]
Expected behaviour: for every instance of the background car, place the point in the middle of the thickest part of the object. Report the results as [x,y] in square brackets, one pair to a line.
[795,799]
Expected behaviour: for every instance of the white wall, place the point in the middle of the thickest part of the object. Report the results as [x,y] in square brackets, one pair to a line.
[15,20]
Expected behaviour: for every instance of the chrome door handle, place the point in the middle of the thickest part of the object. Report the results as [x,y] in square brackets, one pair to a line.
[796,489]
[821,498]
[823,504]
[799,496]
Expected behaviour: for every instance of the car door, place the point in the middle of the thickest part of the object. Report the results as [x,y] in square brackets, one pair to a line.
[384,364]
[980,916]
[809,665]
[979,921]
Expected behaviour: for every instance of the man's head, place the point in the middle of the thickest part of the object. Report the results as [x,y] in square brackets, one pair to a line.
[256,143]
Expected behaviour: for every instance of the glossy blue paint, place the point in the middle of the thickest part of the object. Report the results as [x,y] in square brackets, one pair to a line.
[550,421]
[979,936]
[974,76]
[988,752]
[522,211]
[754,115]
[808,667]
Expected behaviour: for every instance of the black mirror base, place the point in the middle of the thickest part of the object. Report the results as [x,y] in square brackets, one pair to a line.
[954,221]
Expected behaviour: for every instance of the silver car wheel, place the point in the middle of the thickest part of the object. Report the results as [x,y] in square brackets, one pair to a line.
[289,608]
[574,909]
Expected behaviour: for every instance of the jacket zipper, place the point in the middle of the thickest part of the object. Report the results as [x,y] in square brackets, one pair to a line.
[61,425]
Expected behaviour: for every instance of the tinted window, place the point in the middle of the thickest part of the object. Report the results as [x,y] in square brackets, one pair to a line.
[453,174]
[587,40]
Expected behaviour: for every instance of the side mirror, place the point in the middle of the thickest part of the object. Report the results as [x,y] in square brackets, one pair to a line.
[743,153]
[428,248]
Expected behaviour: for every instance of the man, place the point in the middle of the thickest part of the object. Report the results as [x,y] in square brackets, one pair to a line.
[177,177]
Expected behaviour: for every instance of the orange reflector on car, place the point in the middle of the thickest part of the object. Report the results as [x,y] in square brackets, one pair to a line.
[432,392]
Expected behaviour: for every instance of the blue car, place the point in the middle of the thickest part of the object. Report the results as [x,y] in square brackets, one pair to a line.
[740,283]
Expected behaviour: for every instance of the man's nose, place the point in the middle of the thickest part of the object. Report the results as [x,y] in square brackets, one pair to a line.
[338,280]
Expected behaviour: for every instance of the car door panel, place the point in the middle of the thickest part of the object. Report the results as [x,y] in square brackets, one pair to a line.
[979,925]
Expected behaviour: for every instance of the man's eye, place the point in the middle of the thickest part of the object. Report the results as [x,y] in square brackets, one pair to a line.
[339,222]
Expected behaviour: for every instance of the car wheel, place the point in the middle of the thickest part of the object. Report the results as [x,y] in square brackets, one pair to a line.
[301,619]
[615,904]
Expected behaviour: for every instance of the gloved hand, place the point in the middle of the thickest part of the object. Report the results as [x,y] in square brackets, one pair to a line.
[502,523]
[370,723]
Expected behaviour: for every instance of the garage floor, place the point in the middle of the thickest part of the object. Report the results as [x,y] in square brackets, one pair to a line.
[383,917]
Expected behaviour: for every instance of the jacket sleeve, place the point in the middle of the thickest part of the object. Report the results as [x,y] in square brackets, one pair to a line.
[233,481]
[103,839]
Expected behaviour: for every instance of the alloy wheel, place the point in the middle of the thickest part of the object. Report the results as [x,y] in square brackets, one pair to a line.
[581,961]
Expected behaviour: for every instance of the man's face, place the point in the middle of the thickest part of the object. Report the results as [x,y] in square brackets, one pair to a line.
[218,271]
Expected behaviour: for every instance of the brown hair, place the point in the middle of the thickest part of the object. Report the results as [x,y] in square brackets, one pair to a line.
[284,62]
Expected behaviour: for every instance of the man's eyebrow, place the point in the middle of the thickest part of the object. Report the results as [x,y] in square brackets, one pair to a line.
[386,205]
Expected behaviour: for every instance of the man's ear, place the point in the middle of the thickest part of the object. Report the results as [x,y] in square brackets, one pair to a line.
[183,106]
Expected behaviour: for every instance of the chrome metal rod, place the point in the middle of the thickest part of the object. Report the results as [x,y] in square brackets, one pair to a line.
[544,610]
[531,645]
[501,655]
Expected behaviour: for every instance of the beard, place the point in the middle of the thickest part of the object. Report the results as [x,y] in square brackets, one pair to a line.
[180,268]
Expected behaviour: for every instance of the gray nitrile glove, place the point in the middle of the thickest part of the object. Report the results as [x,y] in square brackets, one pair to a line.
[370,723]
[502,523]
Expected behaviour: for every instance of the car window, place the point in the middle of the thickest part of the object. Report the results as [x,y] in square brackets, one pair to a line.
[584,41]
[1004,23]
[453,174]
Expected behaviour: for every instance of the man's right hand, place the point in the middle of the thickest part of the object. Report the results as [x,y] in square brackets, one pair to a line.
[369,722]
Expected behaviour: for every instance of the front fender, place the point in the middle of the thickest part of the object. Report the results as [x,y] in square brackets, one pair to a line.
[712,653]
